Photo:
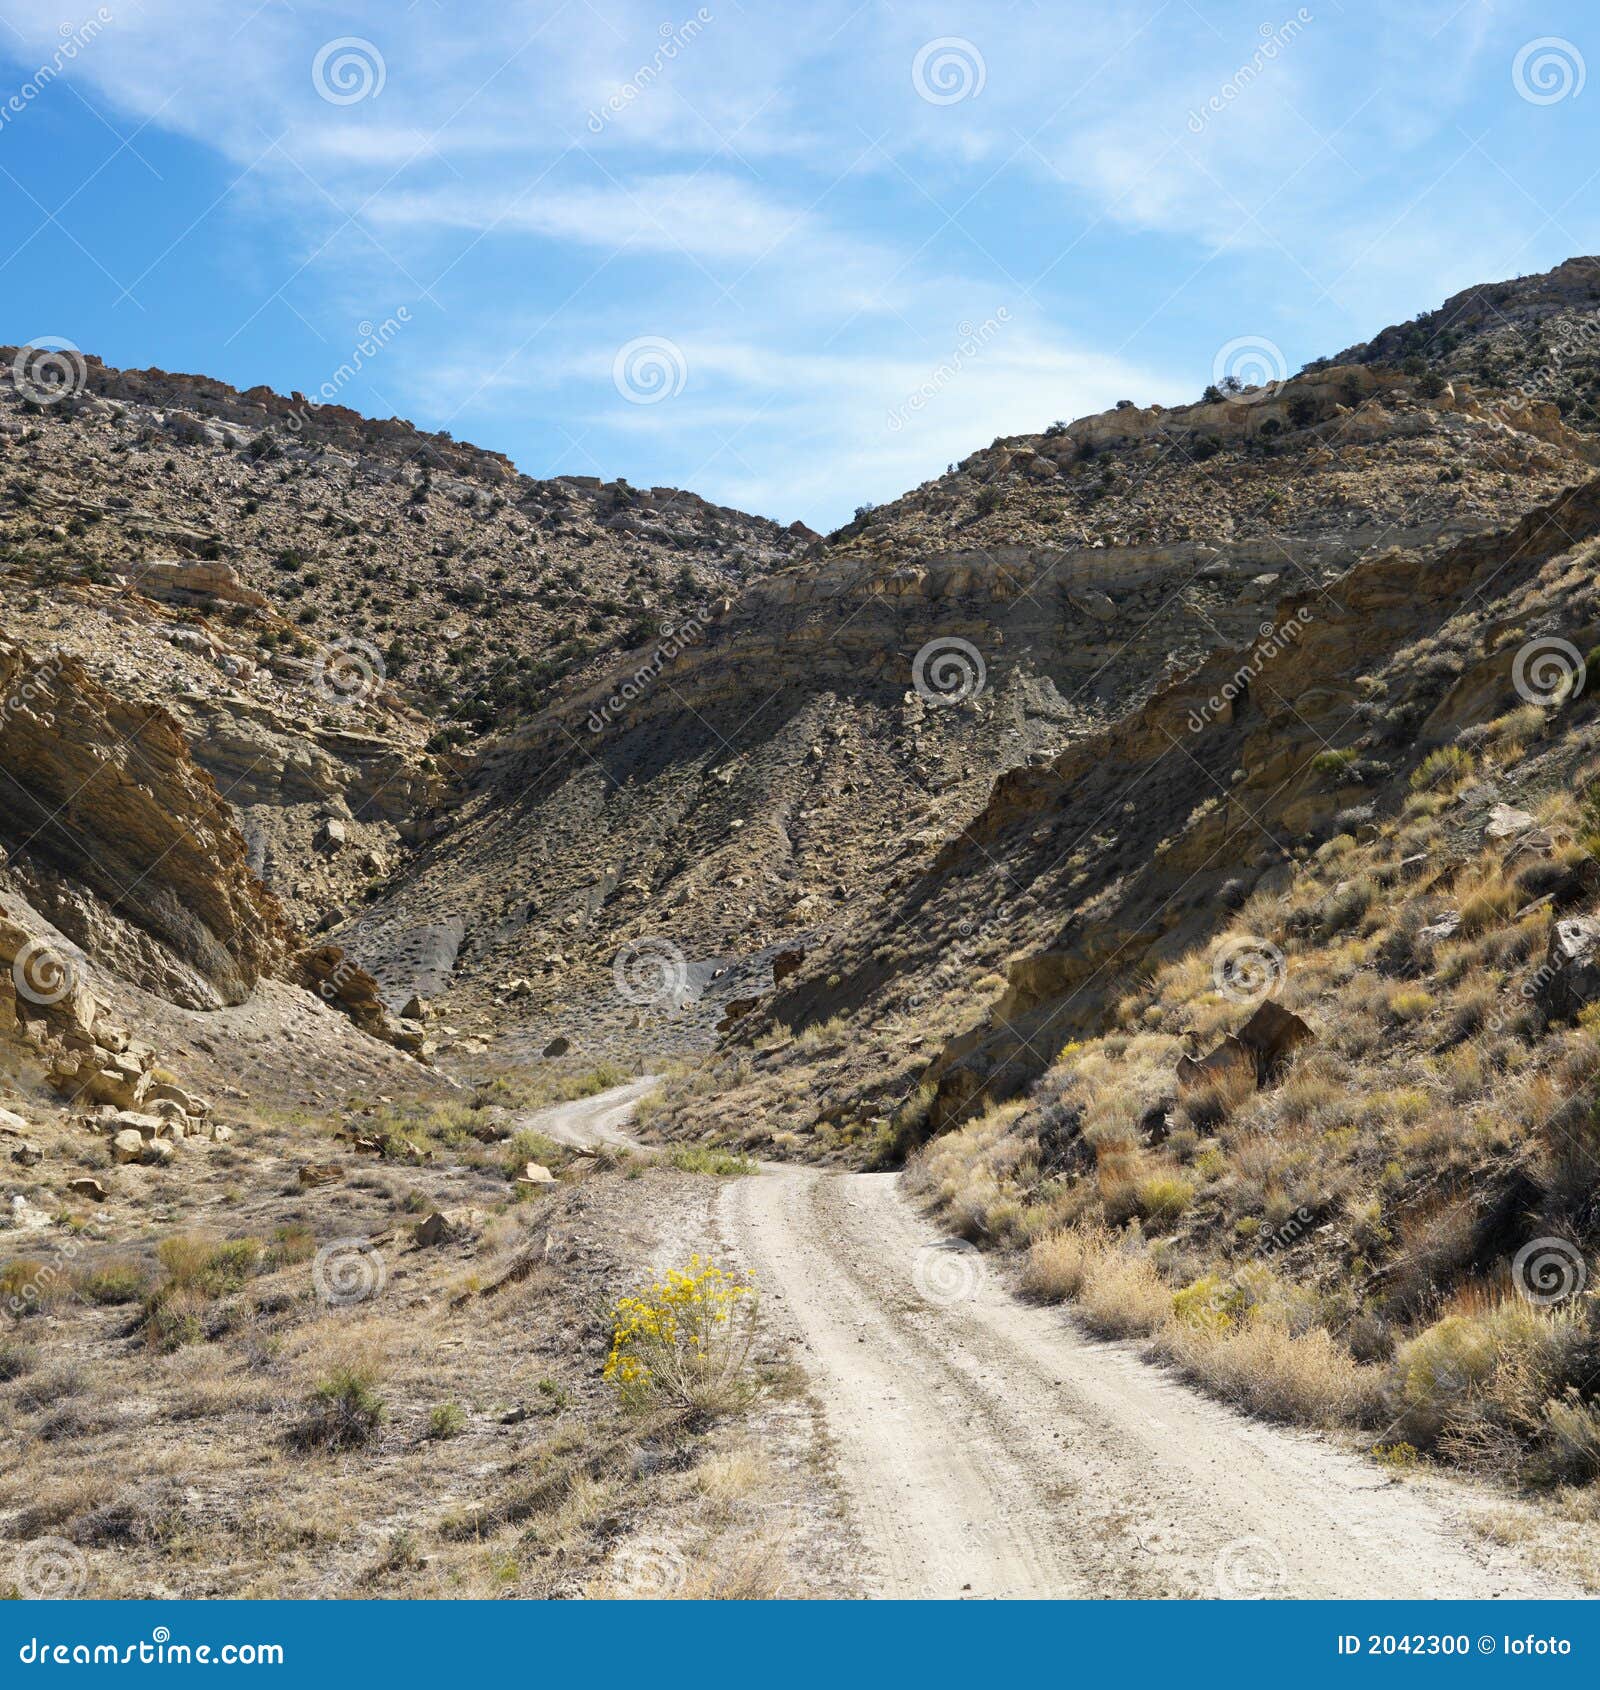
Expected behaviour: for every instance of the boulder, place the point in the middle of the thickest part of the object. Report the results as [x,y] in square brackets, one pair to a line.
[320,1173]
[735,1010]
[1272,1034]
[110,1036]
[27,1156]
[448,1226]
[786,963]
[332,835]
[1231,1064]
[1507,823]
[534,1173]
[200,582]
[132,1120]
[1439,931]
[86,1187]
[558,1047]
[163,1091]
[416,1009]
[127,1146]
[1534,843]
[1094,603]
[27,1217]
[1569,978]
[97,1076]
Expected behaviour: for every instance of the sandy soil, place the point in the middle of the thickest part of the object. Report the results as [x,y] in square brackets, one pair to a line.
[987,1448]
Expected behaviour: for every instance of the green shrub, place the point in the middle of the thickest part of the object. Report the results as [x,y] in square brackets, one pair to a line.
[1484,1373]
[1442,770]
[1208,1302]
[1334,762]
[123,1281]
[706,1159]
[446,1421]
[1162,1197]
[344,1411]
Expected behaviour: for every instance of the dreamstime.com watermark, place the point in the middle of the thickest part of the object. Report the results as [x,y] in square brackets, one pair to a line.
[73,43]
[372,341]
[1275,637]
[156,1650]
[972,341]
[1571,341]
[1274,40]
[970,940]
[674,38]
[635,686]
[1548,70]
[37,684]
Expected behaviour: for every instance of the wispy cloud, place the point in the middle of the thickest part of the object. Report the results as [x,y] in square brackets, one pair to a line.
[811,212]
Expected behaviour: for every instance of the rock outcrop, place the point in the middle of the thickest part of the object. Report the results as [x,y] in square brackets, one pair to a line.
[122,841]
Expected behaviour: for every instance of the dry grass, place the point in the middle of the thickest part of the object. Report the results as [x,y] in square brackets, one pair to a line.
[1291,1247]
[1267,1369]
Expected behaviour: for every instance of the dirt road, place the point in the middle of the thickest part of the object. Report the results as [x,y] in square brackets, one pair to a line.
[593,1121]
[988,1449]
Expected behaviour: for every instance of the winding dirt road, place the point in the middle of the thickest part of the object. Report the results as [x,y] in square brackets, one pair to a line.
[987,1448]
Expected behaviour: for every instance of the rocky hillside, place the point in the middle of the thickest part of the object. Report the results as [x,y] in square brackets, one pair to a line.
[719,744]
[1135,845]
[1536,337]
[326,605]
[435,565]
[778,776]
[1265,1025]
[1403,443]
[1172,838]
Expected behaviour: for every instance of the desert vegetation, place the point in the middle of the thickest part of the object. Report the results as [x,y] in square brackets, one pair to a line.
[1397,1232]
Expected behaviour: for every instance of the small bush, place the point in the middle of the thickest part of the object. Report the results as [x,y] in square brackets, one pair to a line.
[207,1266]
[706,1159]
[1266,1368]
[1487,905]
[1442,770]
[1570,1440]
[1208,1302]
[686,1340]
[123,1281]
[1483,1374]
[15,1360]
[1058,1263]
[446,1421]
[345,1411]
[1162,1197]
[30,1286]
[173,1319]
[1206,1107]
[1408,1003]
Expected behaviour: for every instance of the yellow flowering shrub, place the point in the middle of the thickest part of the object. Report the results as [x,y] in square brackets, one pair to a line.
[686,1339]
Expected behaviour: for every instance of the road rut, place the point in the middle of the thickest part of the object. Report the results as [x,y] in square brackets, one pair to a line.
[987,1448]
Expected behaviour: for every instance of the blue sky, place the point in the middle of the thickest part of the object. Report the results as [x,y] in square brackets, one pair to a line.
[793,257]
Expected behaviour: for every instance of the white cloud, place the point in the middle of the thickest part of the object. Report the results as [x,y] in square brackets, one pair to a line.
[709,216]
[773,198]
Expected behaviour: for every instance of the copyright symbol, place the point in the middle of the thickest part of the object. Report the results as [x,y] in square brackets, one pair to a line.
[1485,1645]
